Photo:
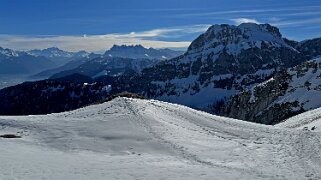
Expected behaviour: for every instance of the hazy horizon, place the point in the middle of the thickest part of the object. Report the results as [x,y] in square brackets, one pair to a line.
[95,27]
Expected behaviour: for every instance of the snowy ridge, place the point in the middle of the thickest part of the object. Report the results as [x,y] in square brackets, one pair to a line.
[148,139]
[310,120]
[54,52]
[304,85]
[59,56]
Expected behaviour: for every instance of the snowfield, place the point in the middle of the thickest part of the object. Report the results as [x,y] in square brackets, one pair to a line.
[148,139]
[306,121]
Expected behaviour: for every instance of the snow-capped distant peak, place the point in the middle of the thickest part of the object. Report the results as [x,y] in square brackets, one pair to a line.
[56,52]
[8,52]
[140,52]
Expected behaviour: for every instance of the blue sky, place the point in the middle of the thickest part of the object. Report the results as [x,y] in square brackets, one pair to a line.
[97,25]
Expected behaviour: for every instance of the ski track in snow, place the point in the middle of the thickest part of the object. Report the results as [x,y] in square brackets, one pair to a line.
[149,139]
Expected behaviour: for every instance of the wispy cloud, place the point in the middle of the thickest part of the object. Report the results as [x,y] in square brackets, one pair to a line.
[251,11]
[296,23]
[150,38]
[239,21]
[171,32]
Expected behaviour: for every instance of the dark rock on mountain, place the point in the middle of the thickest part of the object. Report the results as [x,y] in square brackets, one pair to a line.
[48,96]
[310,48]
[292,43]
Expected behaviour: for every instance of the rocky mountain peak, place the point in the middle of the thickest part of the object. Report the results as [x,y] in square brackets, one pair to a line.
[264,28]
[52,49]
[140,52]
[235,38]
[121,47]
[51,52]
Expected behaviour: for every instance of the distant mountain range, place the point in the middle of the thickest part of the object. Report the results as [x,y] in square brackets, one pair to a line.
[59,56]
[248,71]
[114,62]
[18,62]
[140,52]
[42,64]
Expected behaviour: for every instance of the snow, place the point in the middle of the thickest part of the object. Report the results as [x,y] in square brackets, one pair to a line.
[107,88]
[222,77]
[9,52]
[206,97]
[298,91]
[264,72]
[148,139]
[266,82]
[90,84]
[253,98]
[202,99]
[307,120]
[235,40]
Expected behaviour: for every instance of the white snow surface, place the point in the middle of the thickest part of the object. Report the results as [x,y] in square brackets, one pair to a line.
[149,139]
[306,120]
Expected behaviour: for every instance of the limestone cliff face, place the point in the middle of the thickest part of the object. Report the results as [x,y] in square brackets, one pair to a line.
[289,92]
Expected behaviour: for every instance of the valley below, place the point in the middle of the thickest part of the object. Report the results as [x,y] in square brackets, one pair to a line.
[12,80]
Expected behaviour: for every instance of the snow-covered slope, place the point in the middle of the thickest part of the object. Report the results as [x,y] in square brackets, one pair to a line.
[148,139]
[290,92]
[310,120]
